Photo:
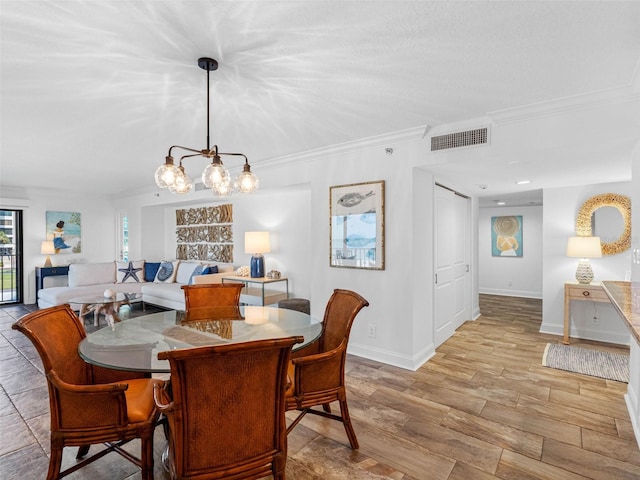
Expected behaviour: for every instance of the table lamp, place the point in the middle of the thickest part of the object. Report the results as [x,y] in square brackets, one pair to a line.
[47,249]
[584,248]
[257,243]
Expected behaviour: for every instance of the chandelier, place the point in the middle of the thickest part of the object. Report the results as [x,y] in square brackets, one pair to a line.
[215,176]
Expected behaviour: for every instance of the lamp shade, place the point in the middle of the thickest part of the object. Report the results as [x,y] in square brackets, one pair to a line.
[584,247]
[47,248]
[256,242]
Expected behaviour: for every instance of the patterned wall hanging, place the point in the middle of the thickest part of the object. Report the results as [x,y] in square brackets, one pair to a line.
[205,233]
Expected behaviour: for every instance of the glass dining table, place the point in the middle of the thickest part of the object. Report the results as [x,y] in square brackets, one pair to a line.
[133,344]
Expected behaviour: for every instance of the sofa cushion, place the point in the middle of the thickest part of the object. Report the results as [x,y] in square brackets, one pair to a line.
[168,291]
[167,272]
[185,271]
[150,271]
[81,274]
[209,269]
[130,272]
[60,295]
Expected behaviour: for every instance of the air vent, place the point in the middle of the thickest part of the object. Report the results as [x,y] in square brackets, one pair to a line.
[478,136]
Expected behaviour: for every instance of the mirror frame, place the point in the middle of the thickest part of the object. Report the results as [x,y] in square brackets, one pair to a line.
[584,226]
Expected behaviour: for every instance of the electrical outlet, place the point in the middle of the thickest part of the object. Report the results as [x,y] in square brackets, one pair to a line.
[510,283]
[372,331]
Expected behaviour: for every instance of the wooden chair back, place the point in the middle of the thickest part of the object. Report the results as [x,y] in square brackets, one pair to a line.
[204,301]
[55,333]
[226,409]
[339,314]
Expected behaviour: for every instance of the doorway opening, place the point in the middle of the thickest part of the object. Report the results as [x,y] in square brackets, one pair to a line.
[11,267]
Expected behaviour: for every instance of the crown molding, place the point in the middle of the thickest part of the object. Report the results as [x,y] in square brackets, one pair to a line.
[616,96]
[384,140]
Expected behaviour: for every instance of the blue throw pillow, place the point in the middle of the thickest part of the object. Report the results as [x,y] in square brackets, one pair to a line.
[150,271]
[196,271]
[209,270]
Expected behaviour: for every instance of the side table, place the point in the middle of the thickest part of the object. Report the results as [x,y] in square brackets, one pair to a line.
[44,272]
[591,292]
[259,296]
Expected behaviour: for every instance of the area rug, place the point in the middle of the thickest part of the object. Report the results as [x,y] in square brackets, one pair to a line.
[612,366]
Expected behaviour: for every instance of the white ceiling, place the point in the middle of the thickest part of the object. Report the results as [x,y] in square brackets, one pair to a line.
[94,92]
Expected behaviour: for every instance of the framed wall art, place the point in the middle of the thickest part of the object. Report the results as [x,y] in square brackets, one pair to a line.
[64,228]
[506,236]
[356,225]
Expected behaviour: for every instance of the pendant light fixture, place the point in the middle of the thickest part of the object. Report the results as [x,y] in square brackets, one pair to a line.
[215,176]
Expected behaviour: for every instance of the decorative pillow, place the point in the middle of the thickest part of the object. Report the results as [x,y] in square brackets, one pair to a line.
[167,272]
[130,272]
[81,274]
[150,271]
[196,271]
[185,270]
[209,269]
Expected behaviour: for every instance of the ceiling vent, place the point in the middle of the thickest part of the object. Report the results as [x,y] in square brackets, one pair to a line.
[479,136]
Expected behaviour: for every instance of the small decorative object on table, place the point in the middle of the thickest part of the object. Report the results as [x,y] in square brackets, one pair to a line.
[108,293]
[273,274]
[243,271]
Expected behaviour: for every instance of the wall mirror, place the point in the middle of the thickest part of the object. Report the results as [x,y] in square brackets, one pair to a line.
[607,216]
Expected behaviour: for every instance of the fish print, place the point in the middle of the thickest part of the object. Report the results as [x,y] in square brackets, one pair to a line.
[352,199]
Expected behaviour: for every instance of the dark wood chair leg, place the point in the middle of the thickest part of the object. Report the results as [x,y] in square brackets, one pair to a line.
[346,420]
[82,451]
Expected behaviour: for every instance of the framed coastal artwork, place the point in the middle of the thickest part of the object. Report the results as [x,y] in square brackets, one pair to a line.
[356,225]
[64,228]
[506,236]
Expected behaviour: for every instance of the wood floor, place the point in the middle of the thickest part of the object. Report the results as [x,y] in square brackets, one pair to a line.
[482,408]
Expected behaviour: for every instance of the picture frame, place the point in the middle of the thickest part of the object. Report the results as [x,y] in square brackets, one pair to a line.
[356,225]
[65,230]
[506,236]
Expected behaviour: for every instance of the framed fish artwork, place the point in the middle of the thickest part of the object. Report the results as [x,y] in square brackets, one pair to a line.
[356,225]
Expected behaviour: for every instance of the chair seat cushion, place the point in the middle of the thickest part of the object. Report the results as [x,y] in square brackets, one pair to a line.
[291,375]
[139,395]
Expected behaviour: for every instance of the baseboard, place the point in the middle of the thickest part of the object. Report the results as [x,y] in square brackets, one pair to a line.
[510,293]
[392,358]
[599,336]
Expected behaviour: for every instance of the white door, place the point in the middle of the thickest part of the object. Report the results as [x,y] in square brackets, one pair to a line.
[452,296]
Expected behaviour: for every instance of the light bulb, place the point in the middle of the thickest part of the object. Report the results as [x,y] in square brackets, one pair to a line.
[166,174]
[182,183]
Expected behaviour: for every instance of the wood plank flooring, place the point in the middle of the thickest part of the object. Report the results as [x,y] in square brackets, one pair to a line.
[482,408]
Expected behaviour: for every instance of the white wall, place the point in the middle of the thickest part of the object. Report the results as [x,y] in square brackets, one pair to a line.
[561,206]
[635,218]
[97,235]
[511,276]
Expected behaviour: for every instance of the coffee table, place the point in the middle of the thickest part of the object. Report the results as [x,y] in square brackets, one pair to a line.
[108,306]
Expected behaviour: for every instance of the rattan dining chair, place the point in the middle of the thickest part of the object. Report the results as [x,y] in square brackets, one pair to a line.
[85,408]
[225,410]
[203,301]
[316,372]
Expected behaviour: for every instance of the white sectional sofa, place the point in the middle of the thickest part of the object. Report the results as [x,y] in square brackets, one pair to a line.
[164,289]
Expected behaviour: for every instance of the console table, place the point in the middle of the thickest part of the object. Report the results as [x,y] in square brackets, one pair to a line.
[591,292]
[44,272]
[259,295]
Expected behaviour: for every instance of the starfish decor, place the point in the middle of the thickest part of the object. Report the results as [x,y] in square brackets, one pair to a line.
[130,272]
